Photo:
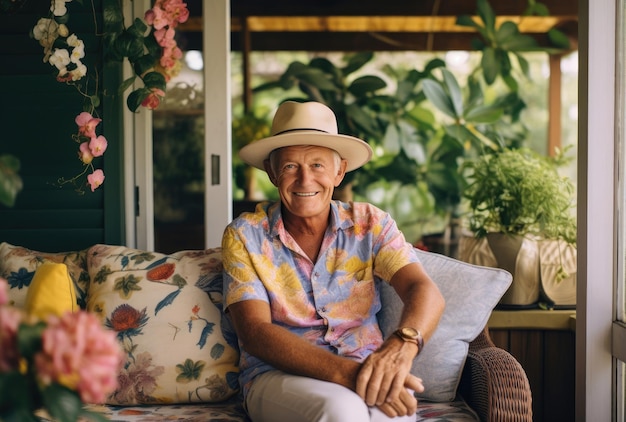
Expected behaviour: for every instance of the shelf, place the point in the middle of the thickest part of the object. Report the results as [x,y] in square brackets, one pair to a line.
[533,319]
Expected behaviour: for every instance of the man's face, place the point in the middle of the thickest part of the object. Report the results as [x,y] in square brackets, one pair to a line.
[306,177]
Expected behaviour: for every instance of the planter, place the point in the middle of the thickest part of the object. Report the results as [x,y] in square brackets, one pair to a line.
[534,263]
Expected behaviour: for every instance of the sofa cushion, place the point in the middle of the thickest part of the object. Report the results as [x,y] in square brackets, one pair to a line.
[18,266]
[471,292]
[169,327]
[51,292]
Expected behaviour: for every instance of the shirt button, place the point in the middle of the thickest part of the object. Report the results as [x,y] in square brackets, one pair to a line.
[322,309]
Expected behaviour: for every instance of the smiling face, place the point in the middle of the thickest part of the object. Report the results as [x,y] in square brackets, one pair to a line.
[306,177]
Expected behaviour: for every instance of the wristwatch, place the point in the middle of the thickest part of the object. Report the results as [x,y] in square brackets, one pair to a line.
[411,335]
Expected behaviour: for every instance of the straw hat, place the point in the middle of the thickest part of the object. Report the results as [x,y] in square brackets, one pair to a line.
[309,123]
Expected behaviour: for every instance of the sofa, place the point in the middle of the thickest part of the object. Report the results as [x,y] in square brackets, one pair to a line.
[182,353]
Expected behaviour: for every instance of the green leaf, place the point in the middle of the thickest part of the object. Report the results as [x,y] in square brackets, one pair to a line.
[366,84]
[540,9]
[63,404]
[357,61]
[486,14]
[126,84]
[436,95]
[154,80]
[484,114]
[143,64]
[391,141]
[558,38]
[138,28]
[506,31]
[136,97]
[422,115]
[29,339]
[18,396]
[519,42]
[359,119]
[523,64]
[510,82]
[10,180]
[112,16]
[466,20]
[491,67]
[128,45]
[454,90]
[316,78]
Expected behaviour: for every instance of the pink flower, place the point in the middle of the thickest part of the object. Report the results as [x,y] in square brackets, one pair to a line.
[95,179]
[84,153]
[79,353]
[98,145]
[153,99]
[10,319]
[4,294]
[87,124]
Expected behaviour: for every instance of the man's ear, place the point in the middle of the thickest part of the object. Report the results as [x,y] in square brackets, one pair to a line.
[341,173]
[270,172]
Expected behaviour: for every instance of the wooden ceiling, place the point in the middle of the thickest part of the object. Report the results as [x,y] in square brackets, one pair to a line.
[353,25]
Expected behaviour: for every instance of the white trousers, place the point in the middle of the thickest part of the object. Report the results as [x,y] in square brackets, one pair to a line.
[279,397]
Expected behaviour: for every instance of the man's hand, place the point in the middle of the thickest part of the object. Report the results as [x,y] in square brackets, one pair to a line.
[385,376]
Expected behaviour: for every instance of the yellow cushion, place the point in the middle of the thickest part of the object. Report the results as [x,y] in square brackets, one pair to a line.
[51,291]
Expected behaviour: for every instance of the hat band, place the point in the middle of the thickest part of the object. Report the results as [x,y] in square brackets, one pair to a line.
[304,128]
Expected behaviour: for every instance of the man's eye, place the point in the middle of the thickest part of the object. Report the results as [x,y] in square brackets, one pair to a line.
[289,166]
[318,165]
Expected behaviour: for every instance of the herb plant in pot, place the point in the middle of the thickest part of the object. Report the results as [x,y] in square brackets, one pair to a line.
[521,217]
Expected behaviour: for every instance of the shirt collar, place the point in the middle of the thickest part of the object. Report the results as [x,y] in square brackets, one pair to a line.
[340,219]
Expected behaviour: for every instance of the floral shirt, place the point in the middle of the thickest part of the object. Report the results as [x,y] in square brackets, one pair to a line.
[332,302]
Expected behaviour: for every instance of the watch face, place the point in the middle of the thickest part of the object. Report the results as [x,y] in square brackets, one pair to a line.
[409,332]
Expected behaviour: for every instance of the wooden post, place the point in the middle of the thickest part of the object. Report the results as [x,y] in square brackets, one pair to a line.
[554,104]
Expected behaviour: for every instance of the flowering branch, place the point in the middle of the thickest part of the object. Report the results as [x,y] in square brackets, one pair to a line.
[150,47]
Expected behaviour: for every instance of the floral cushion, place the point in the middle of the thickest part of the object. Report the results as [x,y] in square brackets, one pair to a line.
[232,411]
[167,317]
[18,266]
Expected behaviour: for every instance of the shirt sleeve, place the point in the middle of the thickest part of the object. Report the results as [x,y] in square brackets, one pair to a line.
[240,279]
[391,250]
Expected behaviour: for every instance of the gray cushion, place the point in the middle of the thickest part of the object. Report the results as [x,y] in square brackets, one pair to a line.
[471,292]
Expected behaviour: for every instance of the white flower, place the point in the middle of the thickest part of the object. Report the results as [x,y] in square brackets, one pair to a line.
[73,41]
[79,72]
[77,54]
[63,30]
[60,58]
[46,32]
[58,7]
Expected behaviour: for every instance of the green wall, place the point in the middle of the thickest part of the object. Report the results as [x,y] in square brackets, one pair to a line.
[37,122]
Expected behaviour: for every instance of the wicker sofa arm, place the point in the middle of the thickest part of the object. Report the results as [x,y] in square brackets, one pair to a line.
[494,383]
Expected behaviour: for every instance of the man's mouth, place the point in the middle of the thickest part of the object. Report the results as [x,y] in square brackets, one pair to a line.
[305,193]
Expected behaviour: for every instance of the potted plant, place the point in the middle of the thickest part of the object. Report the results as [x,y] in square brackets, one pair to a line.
[520,212]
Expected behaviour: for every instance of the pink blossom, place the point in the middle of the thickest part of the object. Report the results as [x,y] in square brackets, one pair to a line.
[153,99]
[10,319]
[95,179]
[165,37]
[84,153]
[157,18]
[98,145]
[4,294]
[87,124]
[79,353]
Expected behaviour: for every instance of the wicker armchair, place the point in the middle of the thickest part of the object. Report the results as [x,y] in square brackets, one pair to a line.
[494,383]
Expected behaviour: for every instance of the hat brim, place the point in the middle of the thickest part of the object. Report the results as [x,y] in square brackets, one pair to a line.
[354,150]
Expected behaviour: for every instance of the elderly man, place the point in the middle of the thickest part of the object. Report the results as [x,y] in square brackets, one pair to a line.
[301,285]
